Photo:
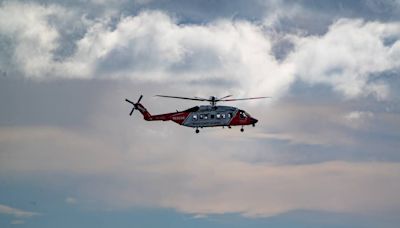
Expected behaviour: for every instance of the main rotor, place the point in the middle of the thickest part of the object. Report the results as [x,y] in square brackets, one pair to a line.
[213,99]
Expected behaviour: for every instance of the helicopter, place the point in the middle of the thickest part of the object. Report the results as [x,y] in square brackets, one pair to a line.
[202,116]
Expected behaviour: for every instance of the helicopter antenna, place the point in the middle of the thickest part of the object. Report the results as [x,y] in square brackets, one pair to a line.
[213,100]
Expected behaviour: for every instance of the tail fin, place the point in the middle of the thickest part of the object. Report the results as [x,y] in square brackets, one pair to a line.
[140,107]
[143,110]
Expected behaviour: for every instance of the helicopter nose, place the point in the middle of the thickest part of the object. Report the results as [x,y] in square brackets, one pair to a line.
[253,121]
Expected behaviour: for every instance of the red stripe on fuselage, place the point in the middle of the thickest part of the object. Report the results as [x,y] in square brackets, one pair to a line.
[177,117]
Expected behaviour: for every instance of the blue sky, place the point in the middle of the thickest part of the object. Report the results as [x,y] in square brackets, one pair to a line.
[324,153]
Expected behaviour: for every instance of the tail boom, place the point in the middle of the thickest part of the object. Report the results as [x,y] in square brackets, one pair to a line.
[146,115]
[177,117]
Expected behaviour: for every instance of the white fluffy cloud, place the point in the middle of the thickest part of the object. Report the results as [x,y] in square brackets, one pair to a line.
[28,32]
[349,57]
[154,46]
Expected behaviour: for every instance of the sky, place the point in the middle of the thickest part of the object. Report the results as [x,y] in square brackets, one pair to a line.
[323,154]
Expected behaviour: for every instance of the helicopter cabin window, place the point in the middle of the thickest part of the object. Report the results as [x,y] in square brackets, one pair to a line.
[230,115]
[194,117]
[205,116]
[218,116]
[201,116]
[212,116]
[223,115]
[242,115]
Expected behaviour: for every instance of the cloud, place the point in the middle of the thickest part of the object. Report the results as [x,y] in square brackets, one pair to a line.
[356,115]
[17,222]
[199,216]
[358,119]
[349,57]
[71,200]
[4,209]
[386,7]
[198,181]
[335,156]
[27,30]
[270,190]
[154,46]
[301,122]
[150,46]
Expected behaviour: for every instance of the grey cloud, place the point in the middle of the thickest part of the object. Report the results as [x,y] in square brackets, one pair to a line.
[342,148]
[153,46]
[297,129]
[4,209]
[301,14]
[121,155]
[56,103]
[197,180]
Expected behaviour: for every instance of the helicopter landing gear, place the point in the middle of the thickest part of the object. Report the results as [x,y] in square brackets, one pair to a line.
[242,129]
[229,127]
[254,125]
[197,131]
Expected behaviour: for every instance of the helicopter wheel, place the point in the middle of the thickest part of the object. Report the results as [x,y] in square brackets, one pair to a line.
[197,131]
[241,129]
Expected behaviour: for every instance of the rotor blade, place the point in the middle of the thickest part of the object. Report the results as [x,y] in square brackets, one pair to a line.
[201,98]
[129,101]
[184,98]
[133,109]
[140,98]
[242,99]
[224,97]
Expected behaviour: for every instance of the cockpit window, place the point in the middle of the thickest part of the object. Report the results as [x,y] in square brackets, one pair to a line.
[242,114]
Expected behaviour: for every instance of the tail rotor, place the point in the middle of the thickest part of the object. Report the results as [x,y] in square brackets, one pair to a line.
[134,104]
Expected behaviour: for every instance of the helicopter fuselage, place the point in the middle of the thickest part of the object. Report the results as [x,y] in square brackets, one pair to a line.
[206,116]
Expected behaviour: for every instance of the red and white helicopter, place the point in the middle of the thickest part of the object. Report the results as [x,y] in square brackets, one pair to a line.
[204,115]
